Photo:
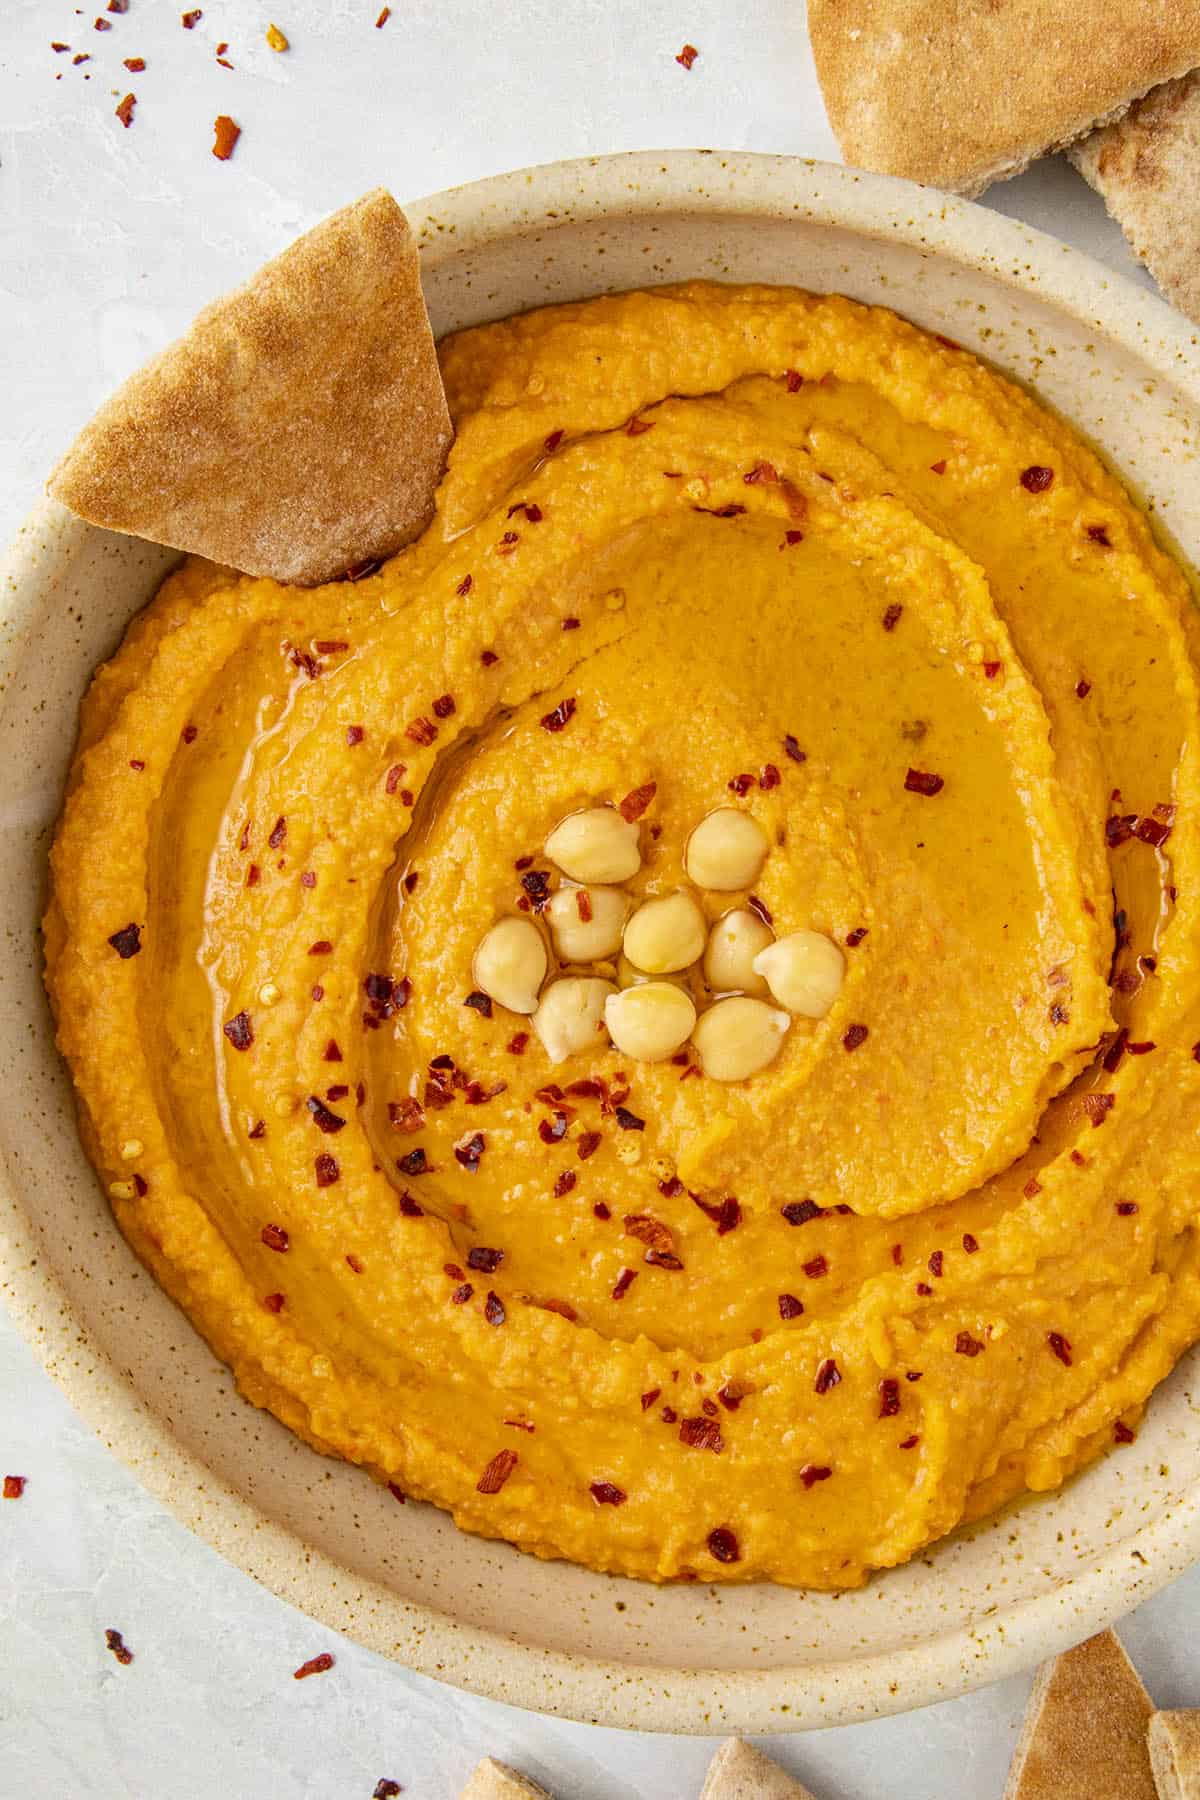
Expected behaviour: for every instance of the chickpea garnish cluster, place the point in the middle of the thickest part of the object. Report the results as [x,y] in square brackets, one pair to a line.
[650,958]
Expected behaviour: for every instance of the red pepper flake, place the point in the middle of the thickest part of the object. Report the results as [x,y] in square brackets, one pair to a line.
[1097,1107]
[278,833]
[758,907]
[799,1212]
[135,762]
[386,1789]
[14,1486]
[910,1443]
[1118,829]
[687,56]
[516,1046]
[790,1307]
[811,1473]
[966,1345]
[939,467]
[258,1130]
[1099,535]
[1152,831]
[421,730]
[127,942]
[407,1115]
[443,706]
[919,781]
[724,1545]
[332,1052]
[485,1261]
[103,25]
[924,1289]
[321,947]
[625,1281]
[794,380]
[327,1170]
[560,717]
[552,442]
[383,18]
[854,1035]
[636,801]
[733,511]
[1036,478]
[583,905]
[239,1031]
[638,427]
[1126,1208]
[190,20]
[897,1254]
[553,1131]
[770,777]
[741,784]
[394,777]
[762,473]
[124,110]
[970,1243]
[818,1266]
[1082,689]
[731,1395]
[354,735]
[855,937]
[493,1309]
[479,1002]
[508,543]
[792,747]
[468,1155]
[992,669]
[828,1376]
[1122,1433]
[275,1237]
[499,1469]
[891,617]
[792,538]
[725,1214]
[397,1493]
[58,48]
[566,1181]
[273,1303]
[629,1121]
[889,1397]
[354,1263]
[1141,1049]
[462,1294]
[323,1119]
[1060,1346]
[227,135]
[76,60]
[116,1643]
[316,1665]
[607,1493]
[701,1434]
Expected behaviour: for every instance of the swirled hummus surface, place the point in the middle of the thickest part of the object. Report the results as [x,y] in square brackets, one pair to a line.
[756,549]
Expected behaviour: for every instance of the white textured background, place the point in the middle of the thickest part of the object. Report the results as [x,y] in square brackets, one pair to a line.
[109,242]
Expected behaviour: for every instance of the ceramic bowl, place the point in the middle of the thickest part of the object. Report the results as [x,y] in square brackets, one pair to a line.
[403,1580]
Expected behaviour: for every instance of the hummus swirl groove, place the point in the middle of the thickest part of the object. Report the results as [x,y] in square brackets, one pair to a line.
[760,549]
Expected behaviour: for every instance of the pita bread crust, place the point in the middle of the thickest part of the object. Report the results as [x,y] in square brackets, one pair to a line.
[926,88]
[1174,1740]
[1084,1736]
[492,1780]
[299,427]
[1147,167]
[740,1772]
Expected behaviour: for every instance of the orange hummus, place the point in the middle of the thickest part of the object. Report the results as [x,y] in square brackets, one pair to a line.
[746,548]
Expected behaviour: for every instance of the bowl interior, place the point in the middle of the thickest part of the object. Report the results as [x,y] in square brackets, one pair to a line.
[403,1578]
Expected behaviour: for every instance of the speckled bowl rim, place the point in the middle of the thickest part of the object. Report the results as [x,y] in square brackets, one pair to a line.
[644,1695]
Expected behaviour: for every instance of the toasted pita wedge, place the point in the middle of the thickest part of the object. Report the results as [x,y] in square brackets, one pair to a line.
[1084,1736]
[493,1780]
[960,93]
[740,1772]
[298,428]
[1174,1740]
[1147,166]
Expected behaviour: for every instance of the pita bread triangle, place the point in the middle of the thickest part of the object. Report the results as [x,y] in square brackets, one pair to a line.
[1174,1740]
[740,1772]
[298,428]
[1084,1736]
